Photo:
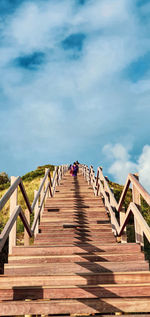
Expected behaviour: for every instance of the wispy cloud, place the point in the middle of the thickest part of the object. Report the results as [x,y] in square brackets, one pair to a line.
[70,80]
[121,163]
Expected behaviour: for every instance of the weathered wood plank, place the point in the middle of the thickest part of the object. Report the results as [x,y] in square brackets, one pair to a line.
[81,306]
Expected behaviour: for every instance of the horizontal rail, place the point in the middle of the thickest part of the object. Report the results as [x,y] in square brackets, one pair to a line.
[25,196]
[9,192]
[17,211]
[40,207]
[142,191]
[5,233]
[135,211]
[39,191]
[102,188]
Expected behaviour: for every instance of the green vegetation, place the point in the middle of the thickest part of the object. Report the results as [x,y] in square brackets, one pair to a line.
[31,182]
[4,181]
[39,172]
[117,190]
[145,211]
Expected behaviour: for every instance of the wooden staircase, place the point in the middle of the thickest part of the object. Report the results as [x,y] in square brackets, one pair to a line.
[75,265]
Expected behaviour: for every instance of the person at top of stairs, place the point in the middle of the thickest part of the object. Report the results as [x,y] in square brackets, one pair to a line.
[74,169]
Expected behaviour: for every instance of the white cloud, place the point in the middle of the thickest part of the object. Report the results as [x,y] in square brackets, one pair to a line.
[121,163]
[73,103]
[34,25]
[144,167]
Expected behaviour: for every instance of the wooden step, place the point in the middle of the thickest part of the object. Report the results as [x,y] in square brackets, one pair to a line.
[79,267]
[76,224]
[76,306]
[70,279]
[74,215]
[85,248]
[75,228]
[75,218]
[76,258]
[75,265]
[72,241]
[75,292]
[72,234]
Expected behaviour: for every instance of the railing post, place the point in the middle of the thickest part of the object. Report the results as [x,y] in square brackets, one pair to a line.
[84,171]
[122,217]
[46,183]
[58,176]
[100,170]
[87,174]
[62,171]
[26,235]
[137,201]
[35,214]
[13,204]
[41,196]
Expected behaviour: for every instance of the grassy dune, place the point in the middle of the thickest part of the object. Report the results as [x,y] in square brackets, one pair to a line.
[31,182]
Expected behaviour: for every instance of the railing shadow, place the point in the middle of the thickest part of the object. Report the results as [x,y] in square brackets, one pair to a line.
[96,294]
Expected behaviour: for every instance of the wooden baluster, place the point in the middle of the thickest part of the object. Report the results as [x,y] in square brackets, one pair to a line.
[88,175]
[54,180]
[60,175]
[122,217]
[57,182]
[46,183]
[98,184]
[36,209]
[62,169]
[84,171]
[98,190]
[41,196]
[26,235]
[95,188]
[137,200]
[13,204]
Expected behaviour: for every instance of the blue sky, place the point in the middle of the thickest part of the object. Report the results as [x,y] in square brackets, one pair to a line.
[75,84]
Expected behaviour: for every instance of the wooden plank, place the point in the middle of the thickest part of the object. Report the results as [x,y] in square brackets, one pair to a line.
[79,267]
[25,196]
[89,306]
[74,292]
[76,258]
[8,227]
[66,279]
[37,250]
[9,192]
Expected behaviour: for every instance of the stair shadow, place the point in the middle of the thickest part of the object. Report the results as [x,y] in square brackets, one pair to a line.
[28,292]
[97,296]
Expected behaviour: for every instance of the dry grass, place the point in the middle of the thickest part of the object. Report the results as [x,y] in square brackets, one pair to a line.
[30,186]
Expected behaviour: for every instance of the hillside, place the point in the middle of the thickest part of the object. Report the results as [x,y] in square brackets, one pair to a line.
[31,182]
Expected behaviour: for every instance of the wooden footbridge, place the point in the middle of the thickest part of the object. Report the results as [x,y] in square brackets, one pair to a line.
[80,262]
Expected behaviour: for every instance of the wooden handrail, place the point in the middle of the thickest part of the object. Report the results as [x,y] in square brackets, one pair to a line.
[5,233]
[112,206]
[18,210]
[9,192]
[39,191]
[40,207]
[25,196]
[142,191]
